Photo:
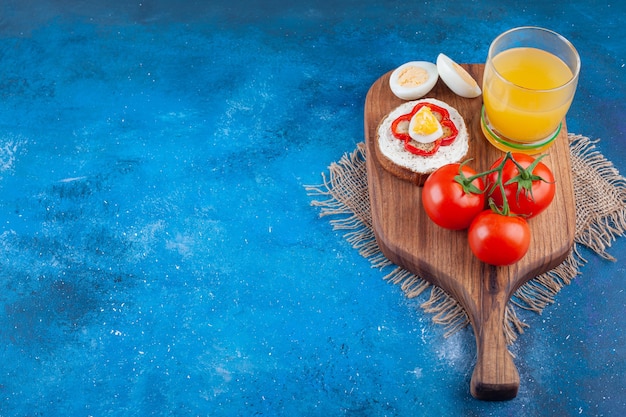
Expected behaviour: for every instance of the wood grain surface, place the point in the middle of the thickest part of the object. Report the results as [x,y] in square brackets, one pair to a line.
[410,239]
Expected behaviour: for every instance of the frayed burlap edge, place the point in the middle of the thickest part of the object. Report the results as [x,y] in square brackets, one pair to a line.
[600,194]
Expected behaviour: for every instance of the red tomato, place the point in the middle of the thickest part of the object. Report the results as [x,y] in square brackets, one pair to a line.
[531,195]
[446,201]
[497,239]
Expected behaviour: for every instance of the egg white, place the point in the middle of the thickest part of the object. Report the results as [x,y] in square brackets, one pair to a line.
[449,73]
[413,93]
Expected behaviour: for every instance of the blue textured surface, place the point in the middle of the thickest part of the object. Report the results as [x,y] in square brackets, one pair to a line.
[158,254]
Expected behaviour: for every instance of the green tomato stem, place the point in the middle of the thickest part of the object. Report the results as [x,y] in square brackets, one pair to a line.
[524,180]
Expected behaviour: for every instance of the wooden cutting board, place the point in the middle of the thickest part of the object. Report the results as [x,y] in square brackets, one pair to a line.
[410,239]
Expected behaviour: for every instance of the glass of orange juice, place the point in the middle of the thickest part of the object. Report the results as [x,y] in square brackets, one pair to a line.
[529,82]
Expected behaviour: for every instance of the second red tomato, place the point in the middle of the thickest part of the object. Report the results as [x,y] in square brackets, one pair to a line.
[530,201]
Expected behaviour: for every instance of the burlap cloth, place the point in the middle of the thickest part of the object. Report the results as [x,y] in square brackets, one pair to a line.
[600,193]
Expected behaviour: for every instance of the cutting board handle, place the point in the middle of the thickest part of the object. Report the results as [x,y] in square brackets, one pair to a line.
[495,375]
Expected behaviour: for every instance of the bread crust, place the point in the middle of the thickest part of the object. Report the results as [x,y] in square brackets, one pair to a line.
[415,169]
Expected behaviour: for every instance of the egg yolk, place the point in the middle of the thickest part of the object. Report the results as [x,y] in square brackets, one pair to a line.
[412,76]
[425,122]
[466,77]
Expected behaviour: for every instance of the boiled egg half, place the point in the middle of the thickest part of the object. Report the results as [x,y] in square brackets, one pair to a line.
[424,126]
[413,80]
[456,78]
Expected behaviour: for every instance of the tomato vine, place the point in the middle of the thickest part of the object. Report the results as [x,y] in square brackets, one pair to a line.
[523,182]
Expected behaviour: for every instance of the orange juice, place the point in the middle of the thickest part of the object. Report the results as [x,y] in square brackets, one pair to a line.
[529,96]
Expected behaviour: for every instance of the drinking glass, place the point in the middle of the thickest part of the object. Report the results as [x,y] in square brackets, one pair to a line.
[529,82]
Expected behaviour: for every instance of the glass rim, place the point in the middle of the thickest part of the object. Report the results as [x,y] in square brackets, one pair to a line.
[562,38]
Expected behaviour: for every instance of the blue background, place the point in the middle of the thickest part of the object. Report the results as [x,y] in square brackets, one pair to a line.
[158,251]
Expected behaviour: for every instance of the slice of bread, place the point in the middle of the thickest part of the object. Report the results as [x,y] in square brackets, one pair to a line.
[393,157]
